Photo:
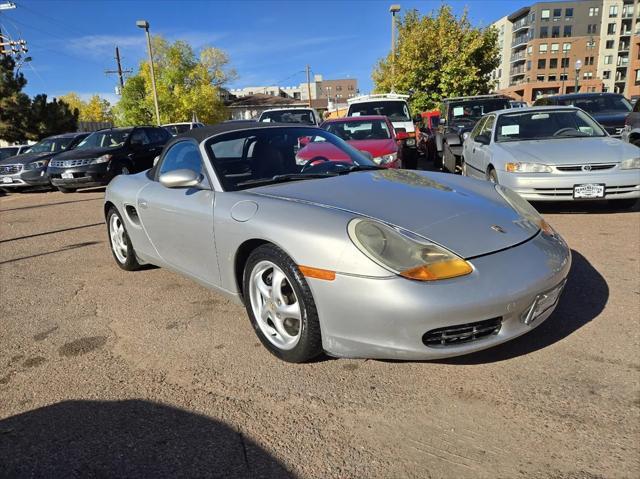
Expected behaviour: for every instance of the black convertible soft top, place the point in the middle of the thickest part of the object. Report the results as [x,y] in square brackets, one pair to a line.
[201,134]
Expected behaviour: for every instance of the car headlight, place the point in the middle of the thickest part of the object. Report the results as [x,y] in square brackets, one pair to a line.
[527,168]
[34,165]
[405,254]
[410,142]
[384,159]
[630,164]
[524,209]
[101,159]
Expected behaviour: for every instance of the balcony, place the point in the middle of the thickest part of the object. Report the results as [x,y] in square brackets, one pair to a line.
[517,71]
[521,24]
[520,40]
[519,57]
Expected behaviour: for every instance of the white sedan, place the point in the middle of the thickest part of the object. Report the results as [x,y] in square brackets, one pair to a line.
[552,154]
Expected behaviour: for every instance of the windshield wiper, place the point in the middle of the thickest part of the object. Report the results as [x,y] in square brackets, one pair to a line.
[287,177]
[361,168]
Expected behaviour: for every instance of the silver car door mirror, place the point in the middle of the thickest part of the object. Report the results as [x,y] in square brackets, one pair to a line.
[155,160]
[180,179]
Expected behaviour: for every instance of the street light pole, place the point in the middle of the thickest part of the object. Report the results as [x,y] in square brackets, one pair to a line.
[578,67]
[565,60]
[393,9]
[145,25]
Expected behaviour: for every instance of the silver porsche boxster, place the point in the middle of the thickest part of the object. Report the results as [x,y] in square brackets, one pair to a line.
[337,254]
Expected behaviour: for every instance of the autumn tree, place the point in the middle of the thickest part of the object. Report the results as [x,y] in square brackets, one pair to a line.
[187,85]
[96,109]
[438,56]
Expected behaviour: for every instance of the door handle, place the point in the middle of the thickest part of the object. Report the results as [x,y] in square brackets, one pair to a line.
[143,204]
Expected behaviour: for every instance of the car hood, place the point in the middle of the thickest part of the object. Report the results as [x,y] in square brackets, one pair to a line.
[570,151]
[453,211]
[375,147]
[27,158]
[86,153]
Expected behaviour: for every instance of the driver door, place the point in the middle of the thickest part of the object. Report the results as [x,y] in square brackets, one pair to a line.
[179,221]
[470,152]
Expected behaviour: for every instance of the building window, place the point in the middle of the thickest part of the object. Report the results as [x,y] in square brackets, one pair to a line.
[613,11]
[587,75]
[592,28]
[539,77]
[544,32]
[607,59]
[606,75]
[564,63]
[563,77]
[543,48]
[594,11]
[609,44]
[568,12]
[555,32]
[557,12]
[544,14]
[552,78]
[566,47]
[611,29]
[529,50]
[555,47]
[529,65]
[542,64]
[553,63]
[588,60]
[567,31]
[637,76]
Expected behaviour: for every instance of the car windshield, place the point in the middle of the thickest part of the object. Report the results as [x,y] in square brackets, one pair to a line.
[7,152]
[105,139]
[288,116]
[258,156]
[360,130]
[177,129]
[396,110]
[546,124]
[473,110]
[599,104]
[51,145]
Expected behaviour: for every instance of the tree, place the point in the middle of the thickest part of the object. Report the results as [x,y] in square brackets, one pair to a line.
[48,118]
[96,109]
[187,85]
[439,56]
[14,104]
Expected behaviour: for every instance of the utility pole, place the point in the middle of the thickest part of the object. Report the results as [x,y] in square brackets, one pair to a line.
[8,46]
[393,9]
[309,84]
[119,70]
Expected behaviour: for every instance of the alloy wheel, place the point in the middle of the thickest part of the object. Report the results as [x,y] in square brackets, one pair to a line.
[275,305]
[118,238]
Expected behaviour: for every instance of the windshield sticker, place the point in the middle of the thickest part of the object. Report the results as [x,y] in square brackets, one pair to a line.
[458,111]
[586,129]
[510,130]
[355,113]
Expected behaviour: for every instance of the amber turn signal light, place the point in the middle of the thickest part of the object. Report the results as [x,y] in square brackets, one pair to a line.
[317,273]
[439,270]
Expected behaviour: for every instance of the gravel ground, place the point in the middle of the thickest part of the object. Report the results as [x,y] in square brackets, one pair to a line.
[106,373]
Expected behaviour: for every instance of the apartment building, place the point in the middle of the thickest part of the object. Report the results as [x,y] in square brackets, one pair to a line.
[335,91]
[500,75]
[553,44]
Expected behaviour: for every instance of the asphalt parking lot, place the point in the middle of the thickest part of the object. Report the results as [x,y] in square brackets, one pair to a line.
[107,373]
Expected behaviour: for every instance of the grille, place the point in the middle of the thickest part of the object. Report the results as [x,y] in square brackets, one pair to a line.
[461,333]
[69,163]
[603,166]
[10,169]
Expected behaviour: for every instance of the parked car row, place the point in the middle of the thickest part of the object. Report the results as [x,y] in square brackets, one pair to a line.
[80,160]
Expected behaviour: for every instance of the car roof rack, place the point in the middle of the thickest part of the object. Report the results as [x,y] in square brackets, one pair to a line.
[389,96]
[472,97]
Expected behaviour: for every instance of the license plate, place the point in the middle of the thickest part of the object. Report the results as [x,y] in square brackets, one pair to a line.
[589,190]
[67,175]
[7,180]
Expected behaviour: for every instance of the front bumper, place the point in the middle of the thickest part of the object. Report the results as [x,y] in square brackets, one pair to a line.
[386,318]
[25,179]
[619,184]
[83,176]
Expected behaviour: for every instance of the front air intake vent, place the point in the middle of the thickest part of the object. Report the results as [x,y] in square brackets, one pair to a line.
[461,333]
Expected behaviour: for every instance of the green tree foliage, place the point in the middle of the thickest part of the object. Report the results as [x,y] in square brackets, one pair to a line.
[96,109]
[438,56]
[187,84]
[22,118]
[14,105]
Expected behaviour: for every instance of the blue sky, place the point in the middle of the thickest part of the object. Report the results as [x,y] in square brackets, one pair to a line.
[269,42]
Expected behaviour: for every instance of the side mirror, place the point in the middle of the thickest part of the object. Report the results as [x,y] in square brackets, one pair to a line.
[180,179]
[482,139]
[155,160]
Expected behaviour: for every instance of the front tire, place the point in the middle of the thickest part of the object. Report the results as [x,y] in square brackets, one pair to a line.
[121,246]
[280,305]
